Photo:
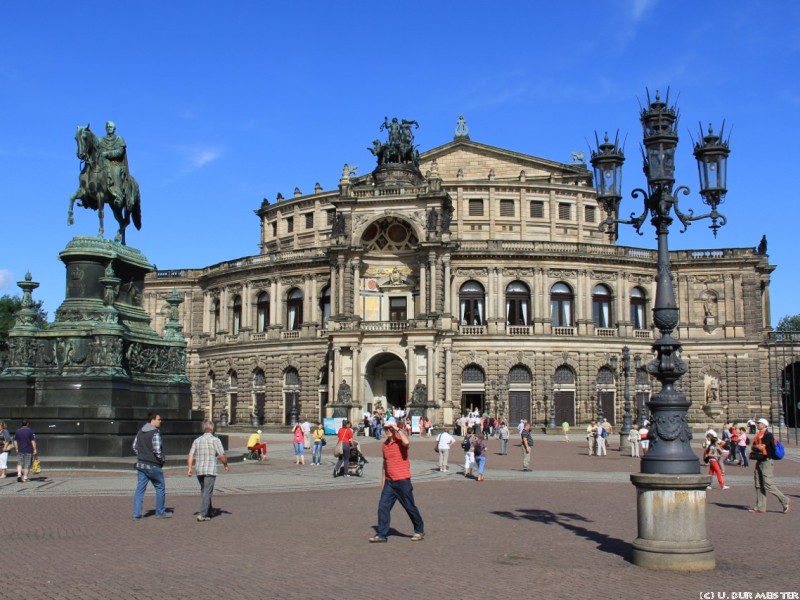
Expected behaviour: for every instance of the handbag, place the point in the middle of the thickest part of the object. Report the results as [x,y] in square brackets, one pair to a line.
[36,467]
[323,441]
[338,450]
[436,444]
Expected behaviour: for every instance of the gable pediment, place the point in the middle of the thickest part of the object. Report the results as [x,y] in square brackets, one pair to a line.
[476,161]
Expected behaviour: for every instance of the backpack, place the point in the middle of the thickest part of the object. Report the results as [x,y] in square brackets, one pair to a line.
[779,452]
[605,433]
[466,444]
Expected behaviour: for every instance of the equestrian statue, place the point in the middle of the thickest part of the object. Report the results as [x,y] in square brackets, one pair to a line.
[105,180]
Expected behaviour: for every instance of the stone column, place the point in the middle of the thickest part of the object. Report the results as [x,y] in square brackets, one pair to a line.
[423,287]
[448,388]
[247,306]
[207,304]
[356,385]
[501,309]
[410,371]
[314,315]
[489,305]
[446,308]
[341,281]
[334,291]
[356,287]
[430,379]
[273,302]
[224,316]
[432,263]
[337,370]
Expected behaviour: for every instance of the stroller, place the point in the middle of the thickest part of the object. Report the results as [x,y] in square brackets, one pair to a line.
[357,461]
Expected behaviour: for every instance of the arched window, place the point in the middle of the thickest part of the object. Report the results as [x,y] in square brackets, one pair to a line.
[291,378]
[472,374]
[294,309]
[216,316]
[262,312]
[638,308]
[472,304]
[237,314]
[518,302]
[561,305]
[601,306]
[564,376]
[519,374]
[325,305]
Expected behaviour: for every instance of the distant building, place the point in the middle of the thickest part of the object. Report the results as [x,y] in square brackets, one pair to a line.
[480,274]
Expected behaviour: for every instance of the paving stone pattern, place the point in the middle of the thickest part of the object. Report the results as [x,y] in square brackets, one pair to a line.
[562,531]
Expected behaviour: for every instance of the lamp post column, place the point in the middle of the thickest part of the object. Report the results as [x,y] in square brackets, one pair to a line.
[671,493]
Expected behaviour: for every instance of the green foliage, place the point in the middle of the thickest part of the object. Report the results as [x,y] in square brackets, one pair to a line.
[8,306]
[789,323]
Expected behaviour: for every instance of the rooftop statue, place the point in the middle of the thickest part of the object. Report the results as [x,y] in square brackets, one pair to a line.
[400,147]
[105,179]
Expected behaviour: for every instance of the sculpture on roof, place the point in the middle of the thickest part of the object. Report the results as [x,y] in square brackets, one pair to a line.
[462,131]
[399,148]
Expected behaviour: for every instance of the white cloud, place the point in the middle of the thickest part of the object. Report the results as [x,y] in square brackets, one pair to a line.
[6,279]
[202,156]
[640,7]
[197,157]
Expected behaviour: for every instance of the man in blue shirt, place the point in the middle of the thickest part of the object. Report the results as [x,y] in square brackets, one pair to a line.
[25,446]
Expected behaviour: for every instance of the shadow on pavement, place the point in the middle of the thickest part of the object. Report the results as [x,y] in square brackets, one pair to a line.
[568,521]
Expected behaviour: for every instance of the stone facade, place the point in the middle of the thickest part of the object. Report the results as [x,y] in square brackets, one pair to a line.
[483,277]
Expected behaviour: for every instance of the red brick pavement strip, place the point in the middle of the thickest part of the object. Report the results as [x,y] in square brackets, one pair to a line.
[552,539]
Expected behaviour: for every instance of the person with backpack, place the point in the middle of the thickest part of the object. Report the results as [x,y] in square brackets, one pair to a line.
[763,452]
[469,455]
[479,449]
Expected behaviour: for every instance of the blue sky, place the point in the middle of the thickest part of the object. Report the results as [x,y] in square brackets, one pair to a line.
[223,104]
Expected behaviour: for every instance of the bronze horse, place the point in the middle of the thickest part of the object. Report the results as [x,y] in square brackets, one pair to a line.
[93,187]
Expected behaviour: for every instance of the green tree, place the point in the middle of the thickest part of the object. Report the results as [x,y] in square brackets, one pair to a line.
[789,323]
[8,306]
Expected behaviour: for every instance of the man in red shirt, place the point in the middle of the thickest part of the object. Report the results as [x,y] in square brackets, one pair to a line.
[396,484]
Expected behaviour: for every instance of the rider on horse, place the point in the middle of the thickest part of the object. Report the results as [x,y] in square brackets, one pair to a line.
[112,148]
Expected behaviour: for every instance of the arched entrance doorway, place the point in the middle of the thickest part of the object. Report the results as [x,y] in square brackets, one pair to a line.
[790,383]
[385,382]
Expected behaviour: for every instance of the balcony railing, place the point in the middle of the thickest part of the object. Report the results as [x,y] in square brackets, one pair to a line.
[605,332]
[384,325]
[290,335]
[564,331]
[519,330]
[643,334]
[472,329]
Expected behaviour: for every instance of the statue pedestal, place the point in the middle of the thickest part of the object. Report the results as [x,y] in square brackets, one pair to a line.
[87,381]
[671,512]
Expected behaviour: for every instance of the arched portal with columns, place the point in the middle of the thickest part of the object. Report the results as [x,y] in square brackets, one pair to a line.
[385,380]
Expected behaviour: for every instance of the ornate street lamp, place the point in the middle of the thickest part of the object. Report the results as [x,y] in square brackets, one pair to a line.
[670,451]
[670,490]
[637,363]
